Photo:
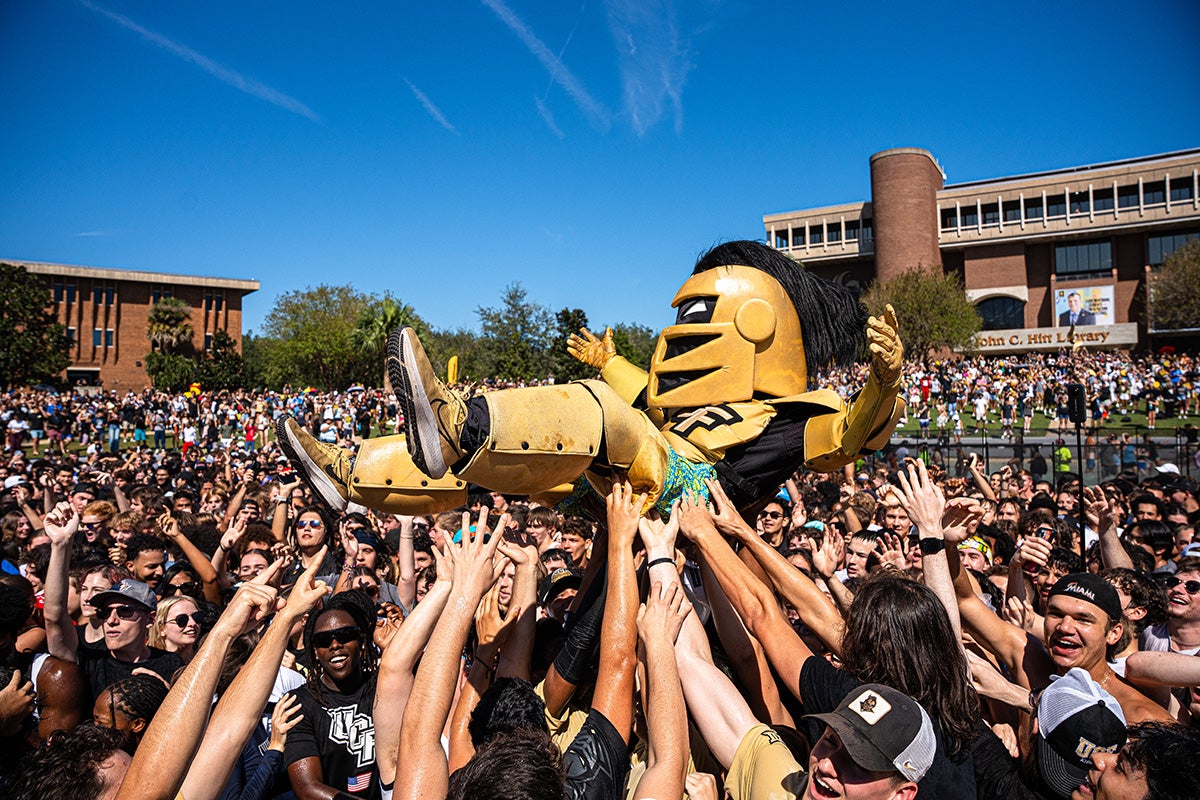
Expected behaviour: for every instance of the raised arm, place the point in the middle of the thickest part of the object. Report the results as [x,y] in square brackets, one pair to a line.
[406,581]
[241,707]
[169,526]
[60,527]
[166,750]
[659,622]
[1100,514]
[423,767]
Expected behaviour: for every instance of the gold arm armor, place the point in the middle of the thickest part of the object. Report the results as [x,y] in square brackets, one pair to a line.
[627,379]
[833,440]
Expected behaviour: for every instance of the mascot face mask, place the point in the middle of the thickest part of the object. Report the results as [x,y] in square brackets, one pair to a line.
[736,335]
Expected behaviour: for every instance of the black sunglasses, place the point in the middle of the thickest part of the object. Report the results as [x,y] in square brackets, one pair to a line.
[343,635]
[182,620]
[123,612]
[1192,587]
[185,588]
[770,515]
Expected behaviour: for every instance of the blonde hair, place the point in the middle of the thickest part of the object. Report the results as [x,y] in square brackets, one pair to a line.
[161,614]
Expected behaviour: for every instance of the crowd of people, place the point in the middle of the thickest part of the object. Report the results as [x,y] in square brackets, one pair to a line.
[180,616]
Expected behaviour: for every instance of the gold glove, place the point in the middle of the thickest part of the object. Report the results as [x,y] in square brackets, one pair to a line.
[887,351]
[594,352]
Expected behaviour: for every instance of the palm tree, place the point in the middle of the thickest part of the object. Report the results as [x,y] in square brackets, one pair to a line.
[377,321]
[167,326]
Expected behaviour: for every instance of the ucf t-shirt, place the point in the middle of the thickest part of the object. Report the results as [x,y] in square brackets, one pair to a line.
[338,729]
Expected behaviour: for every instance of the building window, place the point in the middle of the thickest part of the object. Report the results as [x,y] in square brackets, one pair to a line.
[103,295]
[969,217]
[1056,205]
[1102,200]
[208,337]
[814,235]
[1127,197]
[108,337]
[1012,211]
[1181,189]
[797,237]
[949,219]
[160,293]
[97,337]
[1001,313]
[868,230]
[1154,194]
[71,337]
[1161,247]
[1080,203]
[781,242]
[57,293]
[852,231]
[834,232]
[991,214]
[64,292]
[1033,209]
[1084,258]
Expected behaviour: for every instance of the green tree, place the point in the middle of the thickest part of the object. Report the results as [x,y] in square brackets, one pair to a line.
[635,342]
[313,339]
[461,342]
[562,365]
[932,309]
[33,345]
[169,363]
[222,366]
[376,321]
[1175,290]
[516,337]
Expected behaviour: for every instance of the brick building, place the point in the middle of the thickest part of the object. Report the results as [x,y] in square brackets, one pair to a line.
[105,311]
[1035,251]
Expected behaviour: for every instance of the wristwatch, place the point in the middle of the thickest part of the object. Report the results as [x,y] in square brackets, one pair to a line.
[931,544]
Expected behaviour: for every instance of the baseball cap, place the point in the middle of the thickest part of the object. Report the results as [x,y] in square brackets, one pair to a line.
[128,589]
[1076,718]
[1093,589]
[1167,469]
[557,581]
[13,480]
[884,730]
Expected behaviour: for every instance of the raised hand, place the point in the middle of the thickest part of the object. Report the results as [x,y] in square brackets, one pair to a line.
[658,536]
[61,524]
[585,347]
[921,498]
[168,526]
[287,715]
[1097,511]
[695,521]
[255,600]
[1019,612]
[828,557]
[725,516]
[892,550]
[473,565]
[307,591]
[663,613]
[16,704]
[491,628]
[624,511]
[887,351]
[1033,552]
[962,518]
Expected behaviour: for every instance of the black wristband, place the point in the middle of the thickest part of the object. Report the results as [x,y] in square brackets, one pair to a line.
[657,561]
[930,545]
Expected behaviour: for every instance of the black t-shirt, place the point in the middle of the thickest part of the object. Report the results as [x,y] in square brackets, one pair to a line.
[997,774]
[340,732]
[103,670]
[597,761]
[823,688]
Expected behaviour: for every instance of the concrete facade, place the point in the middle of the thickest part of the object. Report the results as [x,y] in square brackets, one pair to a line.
[1022,243]
[106,313]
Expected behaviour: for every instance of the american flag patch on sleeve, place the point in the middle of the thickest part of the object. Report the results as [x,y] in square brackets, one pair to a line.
[358,783]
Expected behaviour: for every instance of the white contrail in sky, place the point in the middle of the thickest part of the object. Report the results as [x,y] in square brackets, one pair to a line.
[218,71]
[433,110]
[553,64]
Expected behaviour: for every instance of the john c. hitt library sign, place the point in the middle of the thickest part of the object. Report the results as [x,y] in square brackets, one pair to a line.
[1016,340]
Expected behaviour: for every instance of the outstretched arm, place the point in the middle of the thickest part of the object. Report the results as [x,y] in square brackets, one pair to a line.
[61,639]
[659,622]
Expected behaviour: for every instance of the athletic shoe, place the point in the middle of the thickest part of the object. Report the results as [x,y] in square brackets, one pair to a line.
[324,467]
[434,414]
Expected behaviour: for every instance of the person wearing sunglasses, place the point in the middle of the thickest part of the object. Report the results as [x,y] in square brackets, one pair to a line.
[177,626]
[1181,632]
[773,521]
[306,536]
[332,751]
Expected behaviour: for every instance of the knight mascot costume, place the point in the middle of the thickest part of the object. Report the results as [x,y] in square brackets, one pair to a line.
[728,396]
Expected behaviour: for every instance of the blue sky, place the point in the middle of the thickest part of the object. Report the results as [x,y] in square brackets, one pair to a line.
[586,150]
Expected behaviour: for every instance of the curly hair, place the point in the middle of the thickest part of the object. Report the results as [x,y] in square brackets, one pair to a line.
[138,696]
[67,765]
[362,610]
[1166,753]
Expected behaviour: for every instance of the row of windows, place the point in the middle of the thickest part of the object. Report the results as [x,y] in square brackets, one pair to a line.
[103,337]
[1161,247]
[107,295]
[214,301]
[1153,193]
[832,233]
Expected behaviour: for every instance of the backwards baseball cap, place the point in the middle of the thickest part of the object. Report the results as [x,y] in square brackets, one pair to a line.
[1076,718]
[884,730]
[1167,469]
[367,536]
[1093,589]
[128,589]
[14,480]
[559,580]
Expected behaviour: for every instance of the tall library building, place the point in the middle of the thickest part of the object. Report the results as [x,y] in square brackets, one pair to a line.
[106,312]
[1038,253]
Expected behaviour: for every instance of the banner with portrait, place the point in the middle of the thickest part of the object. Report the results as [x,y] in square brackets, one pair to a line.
[1084,305]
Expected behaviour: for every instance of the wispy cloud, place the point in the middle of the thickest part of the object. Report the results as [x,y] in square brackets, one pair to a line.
[220,72]
[559,72]
[433,110]
[91,234]
[547,117]
[653,57]
[553,236]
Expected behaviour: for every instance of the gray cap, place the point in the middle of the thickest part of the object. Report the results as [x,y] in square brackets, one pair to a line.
[128,589]
[884,730]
